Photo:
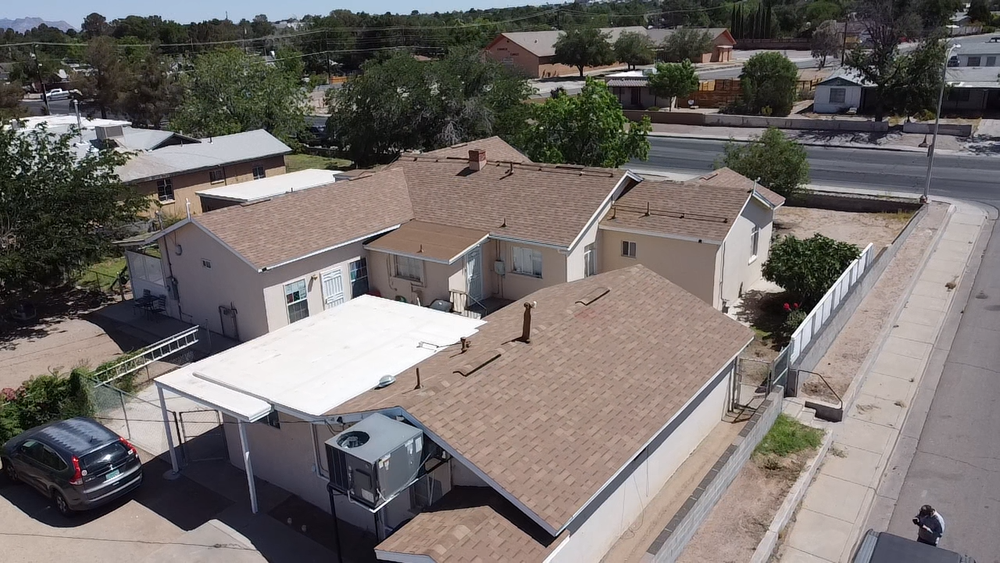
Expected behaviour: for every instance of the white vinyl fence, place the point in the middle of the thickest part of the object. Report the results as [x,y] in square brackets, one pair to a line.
[828,304]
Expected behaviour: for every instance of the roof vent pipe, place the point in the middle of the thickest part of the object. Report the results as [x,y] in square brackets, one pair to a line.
[526,327]
[418,379]
[466,343]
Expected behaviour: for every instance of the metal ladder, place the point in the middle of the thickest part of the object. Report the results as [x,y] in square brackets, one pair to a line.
[149,354]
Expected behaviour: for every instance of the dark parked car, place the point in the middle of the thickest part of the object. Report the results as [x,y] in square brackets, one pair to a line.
[78,463]
[883,547]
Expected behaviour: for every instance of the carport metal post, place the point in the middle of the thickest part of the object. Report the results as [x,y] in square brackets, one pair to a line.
[248,467]
[170,437]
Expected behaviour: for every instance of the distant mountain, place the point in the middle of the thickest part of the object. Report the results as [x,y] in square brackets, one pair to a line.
[22,25]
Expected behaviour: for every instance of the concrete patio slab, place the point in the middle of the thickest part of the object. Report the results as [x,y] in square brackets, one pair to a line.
[887,387]
[939,304]
[965,232]
[820,535]
[894,365]
[908,348]
[856,466]
[792,555]
[926,288]
[940,264]
[879,410]
[916,332]
[915,315]
[835,497]
[937,276]
[864,435]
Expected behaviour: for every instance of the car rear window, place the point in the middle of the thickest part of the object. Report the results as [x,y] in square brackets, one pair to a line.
[111,453]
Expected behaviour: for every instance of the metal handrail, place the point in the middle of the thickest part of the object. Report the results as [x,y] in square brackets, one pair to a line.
[825,382]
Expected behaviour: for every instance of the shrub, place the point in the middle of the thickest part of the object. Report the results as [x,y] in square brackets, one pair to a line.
[652,108]
[807,268]
[794,319]
[924,115]
[43,399]
[788,436]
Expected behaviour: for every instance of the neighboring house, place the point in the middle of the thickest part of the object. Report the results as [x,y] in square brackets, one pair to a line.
[452,229]
[840,92]
[542,436]
[265,188]
[709,235]
[533,52]
[173,173]
[723,43]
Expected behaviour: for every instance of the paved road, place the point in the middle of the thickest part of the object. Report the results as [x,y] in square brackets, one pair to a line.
[973,178]
[957,464]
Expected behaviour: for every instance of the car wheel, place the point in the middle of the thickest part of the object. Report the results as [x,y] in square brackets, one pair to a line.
[61,505]
[9,471]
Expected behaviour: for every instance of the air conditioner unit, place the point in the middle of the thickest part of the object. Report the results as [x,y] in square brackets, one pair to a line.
[375,459]
[109,132]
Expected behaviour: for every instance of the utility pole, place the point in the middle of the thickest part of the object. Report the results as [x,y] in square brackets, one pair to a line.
[843,50]
[326,55]
[38,71]
[937,120]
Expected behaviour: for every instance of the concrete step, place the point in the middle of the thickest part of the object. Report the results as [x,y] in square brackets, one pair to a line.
[791,408]
[807,417]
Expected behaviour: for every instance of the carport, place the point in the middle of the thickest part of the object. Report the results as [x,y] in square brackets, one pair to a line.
[308,368]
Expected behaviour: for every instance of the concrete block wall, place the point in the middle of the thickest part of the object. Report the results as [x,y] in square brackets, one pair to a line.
[953,129]
[668,546]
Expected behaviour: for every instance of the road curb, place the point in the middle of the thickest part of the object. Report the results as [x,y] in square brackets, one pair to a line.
[808,143]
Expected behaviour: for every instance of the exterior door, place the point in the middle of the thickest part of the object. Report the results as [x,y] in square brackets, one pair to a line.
[636,99]
[333,288]
[474,273]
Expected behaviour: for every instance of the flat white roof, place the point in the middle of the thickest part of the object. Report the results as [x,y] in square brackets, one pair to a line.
[70,120]
[309,367]
[273,185]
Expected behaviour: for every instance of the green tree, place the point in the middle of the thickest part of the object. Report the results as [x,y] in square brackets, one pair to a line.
[937,13]
[402,104]
[635,49]
[979,11]
[153,92]
[107,77]
[686,44]
[916,81]
[808,268]
[95,25]
[826,42]
[777,162]
[584,47]
[58,212]
[589,129]
[672,80]
[232,92]
[768,83]
[260,27]
[821,11]
[10,101]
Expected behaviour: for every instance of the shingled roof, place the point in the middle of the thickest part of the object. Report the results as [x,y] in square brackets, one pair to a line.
[471,525]
[705,213]
[550,422]
[495,147]
[731,178]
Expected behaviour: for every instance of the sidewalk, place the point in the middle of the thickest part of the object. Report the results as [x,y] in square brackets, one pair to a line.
[893,141]
[835,509]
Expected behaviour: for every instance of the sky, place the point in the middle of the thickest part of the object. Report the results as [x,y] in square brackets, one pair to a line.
[185,11]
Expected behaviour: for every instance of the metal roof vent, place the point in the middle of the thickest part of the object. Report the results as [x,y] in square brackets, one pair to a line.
[354,439]
[386,381]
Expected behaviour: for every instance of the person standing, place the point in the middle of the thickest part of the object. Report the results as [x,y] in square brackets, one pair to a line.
[931,525]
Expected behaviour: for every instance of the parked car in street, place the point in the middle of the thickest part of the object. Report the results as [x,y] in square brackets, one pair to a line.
[883,547]
[57,94]
[78,463]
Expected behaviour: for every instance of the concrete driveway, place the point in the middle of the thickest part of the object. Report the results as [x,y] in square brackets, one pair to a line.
[163,521]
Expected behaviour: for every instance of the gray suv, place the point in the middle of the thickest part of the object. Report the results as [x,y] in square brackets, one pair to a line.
[78,463]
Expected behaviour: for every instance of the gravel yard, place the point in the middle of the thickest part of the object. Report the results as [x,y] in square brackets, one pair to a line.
[879,229]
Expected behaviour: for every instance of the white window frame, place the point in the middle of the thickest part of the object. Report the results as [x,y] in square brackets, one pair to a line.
[978,60]
[295,307]
[408,268]
[217,176]
[840,93]
[629,248]
[163,186]
[754,243]
[526,261]
[259,173]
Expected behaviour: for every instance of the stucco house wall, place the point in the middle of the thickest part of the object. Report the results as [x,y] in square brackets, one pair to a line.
[633,489]
[740,267]
[513,55]
[516,286]
[209,275]
[689,264]
[185,185]
[439,279]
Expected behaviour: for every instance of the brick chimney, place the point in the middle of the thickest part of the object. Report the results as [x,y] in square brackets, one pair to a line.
[477,160]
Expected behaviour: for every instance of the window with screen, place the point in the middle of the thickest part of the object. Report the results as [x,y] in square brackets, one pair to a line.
[527,261]
[165,190]
[409,268]
[628,249]
[258,172]
[838,95]
[296,301]
[217,175]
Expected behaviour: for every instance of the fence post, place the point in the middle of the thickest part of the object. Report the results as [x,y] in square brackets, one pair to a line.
[128,429]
